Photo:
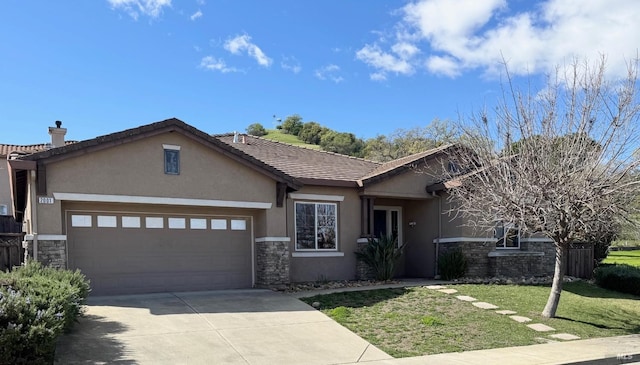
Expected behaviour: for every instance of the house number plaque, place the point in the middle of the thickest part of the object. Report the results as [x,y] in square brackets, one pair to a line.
[45,200]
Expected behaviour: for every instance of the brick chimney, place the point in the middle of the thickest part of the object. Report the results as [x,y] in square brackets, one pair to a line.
[57,135]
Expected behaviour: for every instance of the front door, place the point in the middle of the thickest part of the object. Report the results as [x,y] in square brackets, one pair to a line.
[387,221]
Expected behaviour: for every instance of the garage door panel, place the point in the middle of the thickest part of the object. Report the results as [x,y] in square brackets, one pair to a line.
[121,260]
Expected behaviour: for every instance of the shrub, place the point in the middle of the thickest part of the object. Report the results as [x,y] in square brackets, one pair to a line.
[37,304]
[452,264]
[623,278]
[381,255]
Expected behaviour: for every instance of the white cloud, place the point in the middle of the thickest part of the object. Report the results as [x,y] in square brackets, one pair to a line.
[201,2]
[135,8]
[451,37]
[290,64]
[397,62]
[242,43]
[329,72]
[213,64]
[196,15]
[378,76]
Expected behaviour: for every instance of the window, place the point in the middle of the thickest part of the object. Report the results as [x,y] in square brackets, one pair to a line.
[154,222]
[78,220]
[130,222]
[218,224]
[171,159]
[316,226]
[508,236]
[107,221]
[238,225]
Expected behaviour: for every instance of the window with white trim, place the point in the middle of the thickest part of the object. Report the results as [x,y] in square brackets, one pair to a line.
[171,159]
[508,236]
[316,226]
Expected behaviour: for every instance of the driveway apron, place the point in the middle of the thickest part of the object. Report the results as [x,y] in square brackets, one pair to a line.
[219,327]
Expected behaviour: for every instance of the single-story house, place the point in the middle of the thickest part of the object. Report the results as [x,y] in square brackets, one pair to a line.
[167,207]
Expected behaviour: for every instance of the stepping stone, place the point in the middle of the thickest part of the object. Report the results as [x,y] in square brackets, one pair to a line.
[466,298]
[434,287]
[520,319]
[565,336]
[448,291]
[540,327]
[506,312]
[485,305]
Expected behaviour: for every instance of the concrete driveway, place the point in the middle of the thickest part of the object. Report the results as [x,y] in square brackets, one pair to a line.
[221,327]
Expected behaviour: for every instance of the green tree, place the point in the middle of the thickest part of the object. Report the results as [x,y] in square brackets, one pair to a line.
[292,125]
[256,129]
[312,132]
[343,143]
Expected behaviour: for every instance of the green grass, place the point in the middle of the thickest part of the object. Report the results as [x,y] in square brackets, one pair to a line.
[419,321]
[277,135]
[623,257]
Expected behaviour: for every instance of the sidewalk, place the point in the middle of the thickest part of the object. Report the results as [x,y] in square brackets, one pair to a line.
[595,351]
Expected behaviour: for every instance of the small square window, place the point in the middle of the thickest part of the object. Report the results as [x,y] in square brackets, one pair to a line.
[238,225]
[172,162]
[218,224]
[154,222]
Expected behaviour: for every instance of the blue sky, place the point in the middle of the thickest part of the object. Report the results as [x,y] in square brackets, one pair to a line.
[367,67]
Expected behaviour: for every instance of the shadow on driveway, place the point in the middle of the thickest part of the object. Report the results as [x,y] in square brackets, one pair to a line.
[92,341]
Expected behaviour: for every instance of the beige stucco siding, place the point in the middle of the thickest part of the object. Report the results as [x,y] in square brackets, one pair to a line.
[137,169]
[329,268]
[409,184]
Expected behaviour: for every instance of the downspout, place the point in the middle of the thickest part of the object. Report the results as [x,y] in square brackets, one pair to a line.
[439,231]
[34,213]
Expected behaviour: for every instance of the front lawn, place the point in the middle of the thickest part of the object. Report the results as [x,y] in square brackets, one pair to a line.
[623,257]
[418,321]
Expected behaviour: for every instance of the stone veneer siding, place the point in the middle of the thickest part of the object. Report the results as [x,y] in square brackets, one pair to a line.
[477,254]
[363,271]
[272,263]
[52,253]
[484,260]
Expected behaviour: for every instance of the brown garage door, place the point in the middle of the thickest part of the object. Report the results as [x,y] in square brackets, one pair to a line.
[131,253]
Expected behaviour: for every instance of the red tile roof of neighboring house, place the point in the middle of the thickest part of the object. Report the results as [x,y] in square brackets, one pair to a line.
[7,149]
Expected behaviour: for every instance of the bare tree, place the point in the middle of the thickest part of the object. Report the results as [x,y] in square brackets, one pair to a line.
[559,163]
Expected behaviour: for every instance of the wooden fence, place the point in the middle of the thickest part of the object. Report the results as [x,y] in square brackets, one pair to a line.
[580,262]
[11,251]
[9,225]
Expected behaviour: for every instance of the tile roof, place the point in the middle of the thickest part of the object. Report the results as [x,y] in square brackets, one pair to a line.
[7,149]
[300,162]
[288,163]
[402,163]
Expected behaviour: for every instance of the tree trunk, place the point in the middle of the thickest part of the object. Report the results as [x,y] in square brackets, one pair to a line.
[558,278]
